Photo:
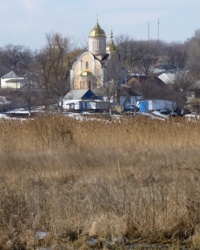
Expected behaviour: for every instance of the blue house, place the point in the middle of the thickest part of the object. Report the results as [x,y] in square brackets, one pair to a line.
[82,99]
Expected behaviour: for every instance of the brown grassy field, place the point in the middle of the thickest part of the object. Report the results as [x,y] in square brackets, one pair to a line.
[135,179]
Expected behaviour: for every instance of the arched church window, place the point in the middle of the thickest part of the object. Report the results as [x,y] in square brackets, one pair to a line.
[87,65]
[95,45]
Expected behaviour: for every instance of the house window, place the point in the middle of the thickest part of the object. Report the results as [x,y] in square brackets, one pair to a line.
[86,65]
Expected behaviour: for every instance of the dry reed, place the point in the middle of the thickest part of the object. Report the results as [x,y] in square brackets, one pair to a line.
[135,177]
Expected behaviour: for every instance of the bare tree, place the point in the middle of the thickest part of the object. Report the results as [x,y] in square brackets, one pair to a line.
[147,58]
[138,56]
[110,77]
[176,56]
[145,64]
[30,97]
[193,50]
[123,43]
[52,64]
[183,81]
[15,57]
[132,51]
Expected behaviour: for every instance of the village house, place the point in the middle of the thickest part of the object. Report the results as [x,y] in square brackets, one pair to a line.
[82,100]
[12,80]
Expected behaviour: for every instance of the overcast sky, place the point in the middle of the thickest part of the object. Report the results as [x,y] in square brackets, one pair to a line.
[25,22]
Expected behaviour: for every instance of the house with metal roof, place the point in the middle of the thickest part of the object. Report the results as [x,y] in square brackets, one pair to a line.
[167,78]
[12,80]
[79,94]
[82,100]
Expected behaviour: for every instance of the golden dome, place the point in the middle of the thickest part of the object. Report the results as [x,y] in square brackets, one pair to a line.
[97,31]
[111,47]
[85,73]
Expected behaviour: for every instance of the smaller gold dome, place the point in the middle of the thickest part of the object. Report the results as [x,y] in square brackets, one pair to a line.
[97,31]
[85,73]
[111,47]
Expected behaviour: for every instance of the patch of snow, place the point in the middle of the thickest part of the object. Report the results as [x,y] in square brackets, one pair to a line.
[41,234]
[4,116]
[192,117]
[157,113]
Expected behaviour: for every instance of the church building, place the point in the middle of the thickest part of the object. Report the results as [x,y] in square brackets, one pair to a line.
[100,66]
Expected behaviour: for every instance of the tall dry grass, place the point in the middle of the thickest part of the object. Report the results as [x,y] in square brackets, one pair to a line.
[135,178]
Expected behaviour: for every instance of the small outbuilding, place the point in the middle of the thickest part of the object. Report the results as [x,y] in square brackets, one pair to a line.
[156,105]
